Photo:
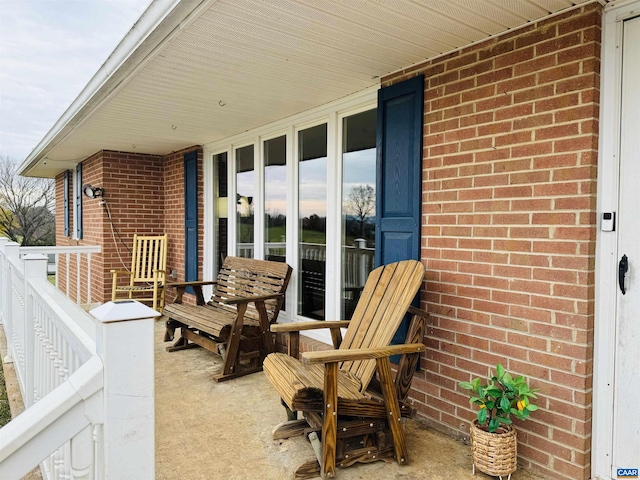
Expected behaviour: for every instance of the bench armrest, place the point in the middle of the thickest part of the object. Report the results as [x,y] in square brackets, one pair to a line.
[181,288]
[257,298]
[313,325]
[331,356]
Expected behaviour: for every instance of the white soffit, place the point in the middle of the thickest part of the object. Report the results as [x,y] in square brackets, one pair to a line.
[240,64]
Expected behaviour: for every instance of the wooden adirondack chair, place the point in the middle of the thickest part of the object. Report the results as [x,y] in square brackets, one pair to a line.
[147,277]
[336,389]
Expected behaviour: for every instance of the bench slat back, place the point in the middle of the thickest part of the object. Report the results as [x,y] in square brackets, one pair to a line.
[245,277]
[386,296]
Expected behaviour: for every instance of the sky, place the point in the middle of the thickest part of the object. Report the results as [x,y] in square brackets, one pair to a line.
[49,50]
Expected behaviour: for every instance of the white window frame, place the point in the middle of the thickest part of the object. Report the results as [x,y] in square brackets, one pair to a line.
[331,114]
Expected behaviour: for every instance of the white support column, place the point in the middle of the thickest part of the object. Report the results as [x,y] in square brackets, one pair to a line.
[35,266]
[125,344]
[11,251]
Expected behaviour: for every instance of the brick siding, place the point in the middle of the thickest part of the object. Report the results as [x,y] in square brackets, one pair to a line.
[145,195]
[508,232]
[92,173]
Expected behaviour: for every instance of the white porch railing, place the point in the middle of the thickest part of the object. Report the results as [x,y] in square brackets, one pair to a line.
[80,255]
[87,380]
[358,259]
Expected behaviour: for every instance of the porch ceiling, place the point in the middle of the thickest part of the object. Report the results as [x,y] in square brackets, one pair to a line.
[212,69]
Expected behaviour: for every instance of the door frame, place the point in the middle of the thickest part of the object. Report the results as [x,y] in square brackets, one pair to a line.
[607,242]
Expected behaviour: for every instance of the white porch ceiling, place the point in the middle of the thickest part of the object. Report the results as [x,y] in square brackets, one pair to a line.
[227,66]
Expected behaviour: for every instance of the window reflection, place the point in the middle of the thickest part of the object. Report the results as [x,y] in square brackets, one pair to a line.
[275,198]
[312,204]
[245,184]
[358,205]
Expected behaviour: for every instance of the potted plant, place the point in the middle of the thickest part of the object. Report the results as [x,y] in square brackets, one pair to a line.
[493,438]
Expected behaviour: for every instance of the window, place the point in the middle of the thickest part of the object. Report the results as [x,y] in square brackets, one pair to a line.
[312,221]
[275,198]
[304,193]
[245,185]
[221,208]
[358,205]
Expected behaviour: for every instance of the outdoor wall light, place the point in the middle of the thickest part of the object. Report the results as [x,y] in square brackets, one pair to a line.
[92,192]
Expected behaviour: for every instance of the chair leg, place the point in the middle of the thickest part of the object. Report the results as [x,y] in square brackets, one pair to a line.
[231,360]
[155,296]
[330,420]
[267,339]
[392,406]
[291,414]
[170,330]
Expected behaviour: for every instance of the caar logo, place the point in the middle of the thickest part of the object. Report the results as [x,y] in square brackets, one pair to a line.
[627,472]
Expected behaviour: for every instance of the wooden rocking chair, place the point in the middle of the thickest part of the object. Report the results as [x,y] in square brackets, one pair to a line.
[336,389]
[148,271]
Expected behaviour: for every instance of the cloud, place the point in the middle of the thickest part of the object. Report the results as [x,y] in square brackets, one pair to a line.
[49,50]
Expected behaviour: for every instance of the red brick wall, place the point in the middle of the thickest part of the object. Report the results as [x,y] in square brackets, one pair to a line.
[145,195]
[508,235]
[92,234]
[134,196]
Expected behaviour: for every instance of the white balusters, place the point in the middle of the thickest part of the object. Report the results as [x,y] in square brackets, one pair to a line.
[60,354]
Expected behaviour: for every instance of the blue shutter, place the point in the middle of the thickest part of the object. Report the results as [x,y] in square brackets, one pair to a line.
[191,216]
[399,175]
[65,187]
[78,203]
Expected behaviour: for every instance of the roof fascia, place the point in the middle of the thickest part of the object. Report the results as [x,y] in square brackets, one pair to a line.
[160,21]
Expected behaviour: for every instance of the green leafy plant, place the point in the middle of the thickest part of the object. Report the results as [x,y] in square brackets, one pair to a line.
[499,397]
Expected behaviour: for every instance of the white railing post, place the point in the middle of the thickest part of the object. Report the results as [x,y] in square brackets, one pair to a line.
[361,244]
[35,266]
[11,251]
[125,344]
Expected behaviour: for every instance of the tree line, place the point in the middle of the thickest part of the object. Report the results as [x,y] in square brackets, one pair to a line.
[26,206]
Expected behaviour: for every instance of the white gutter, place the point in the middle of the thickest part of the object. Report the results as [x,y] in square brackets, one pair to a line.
[151,30]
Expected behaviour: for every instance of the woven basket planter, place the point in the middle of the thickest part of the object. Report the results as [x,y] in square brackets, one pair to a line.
[494,453]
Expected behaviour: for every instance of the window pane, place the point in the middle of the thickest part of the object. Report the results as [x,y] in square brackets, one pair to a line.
[275,198]
[245,183]
[358,205]
[312,203]
[221,207]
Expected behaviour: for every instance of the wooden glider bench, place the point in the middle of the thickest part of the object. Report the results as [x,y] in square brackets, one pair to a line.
[247,297]
[357,416]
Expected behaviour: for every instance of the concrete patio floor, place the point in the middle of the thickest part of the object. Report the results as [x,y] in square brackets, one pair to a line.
[209,430]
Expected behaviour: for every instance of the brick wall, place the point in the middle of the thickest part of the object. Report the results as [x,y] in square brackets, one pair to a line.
[144,194]
[508,235]
[92,234]
[134,197]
